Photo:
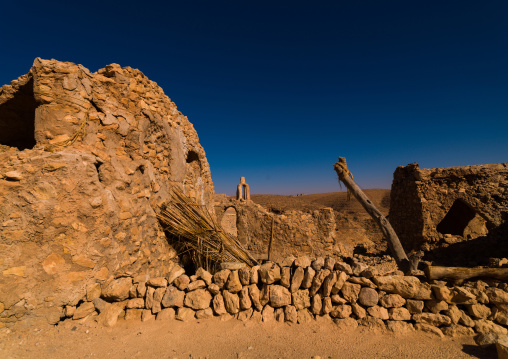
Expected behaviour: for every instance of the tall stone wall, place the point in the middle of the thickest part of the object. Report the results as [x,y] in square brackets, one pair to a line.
[432,208]
[294,232]
[85,161]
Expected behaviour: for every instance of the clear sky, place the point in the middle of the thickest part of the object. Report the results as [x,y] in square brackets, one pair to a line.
[278,90]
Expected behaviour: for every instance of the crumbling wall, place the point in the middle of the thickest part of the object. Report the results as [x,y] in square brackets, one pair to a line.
[431,208]
[85,161]
[294,232]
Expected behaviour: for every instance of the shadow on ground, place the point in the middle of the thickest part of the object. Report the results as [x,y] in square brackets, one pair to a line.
[478,352]
[475,252]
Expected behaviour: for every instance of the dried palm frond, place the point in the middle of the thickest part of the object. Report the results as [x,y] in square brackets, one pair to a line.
[197,234]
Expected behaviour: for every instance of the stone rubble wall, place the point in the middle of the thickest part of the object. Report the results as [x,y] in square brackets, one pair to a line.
[82,214]
[421,198]
[294,232]
[298,290]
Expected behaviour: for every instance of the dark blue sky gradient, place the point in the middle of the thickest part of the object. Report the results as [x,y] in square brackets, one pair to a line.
[277,90]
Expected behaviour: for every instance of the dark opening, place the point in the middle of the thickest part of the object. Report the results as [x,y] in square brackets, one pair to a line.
[192,156]
[457,219]
[98,165]
[275,210]
[17,117]
[360,249]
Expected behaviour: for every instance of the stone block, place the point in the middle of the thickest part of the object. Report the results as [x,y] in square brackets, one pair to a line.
[218,305]
[350,292]
[406,286]
[166,314]
[368,297]
[185,314]
[204,313]
[83,310]
[279,296]
[182,282]
[117,290]
[233,284]
[297,279]
[231,302]
[198,299]
[269,273]
[220,278]
[173,297]
[392,301]
[341,311]
[157,282]
[308,278]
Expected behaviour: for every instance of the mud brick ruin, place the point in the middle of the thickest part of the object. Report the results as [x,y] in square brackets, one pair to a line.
[88,159]
[295,232]
[464,208]
[75,212]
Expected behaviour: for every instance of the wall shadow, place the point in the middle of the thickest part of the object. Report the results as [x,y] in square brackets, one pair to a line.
[478,352]
[475,252]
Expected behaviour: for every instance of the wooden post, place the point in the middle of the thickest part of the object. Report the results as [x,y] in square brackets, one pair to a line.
[393,241]
[271,240]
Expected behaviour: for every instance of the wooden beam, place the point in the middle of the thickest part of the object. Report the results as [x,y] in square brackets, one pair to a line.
[388,232]
[459,274]
[270,256]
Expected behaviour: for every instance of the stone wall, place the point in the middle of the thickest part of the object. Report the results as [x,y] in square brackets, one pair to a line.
[432,208]
[294,232]
[85,161]
[298,290]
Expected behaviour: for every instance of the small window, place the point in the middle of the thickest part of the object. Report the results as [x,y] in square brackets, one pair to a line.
[17,119]
[457,219]
[192,156]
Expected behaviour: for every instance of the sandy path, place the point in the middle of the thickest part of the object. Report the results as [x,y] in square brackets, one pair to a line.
[232,339]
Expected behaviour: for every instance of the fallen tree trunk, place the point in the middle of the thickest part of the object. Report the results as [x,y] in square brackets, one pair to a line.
[388,232]
[459,274]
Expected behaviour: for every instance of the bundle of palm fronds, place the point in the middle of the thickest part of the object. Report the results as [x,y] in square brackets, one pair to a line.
[198,235]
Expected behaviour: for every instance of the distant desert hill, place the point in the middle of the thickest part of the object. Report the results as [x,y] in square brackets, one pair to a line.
[336,200]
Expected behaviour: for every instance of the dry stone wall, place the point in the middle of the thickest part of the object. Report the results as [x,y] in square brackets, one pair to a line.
[431,208]
[294,232]
[300,290]
[85,161]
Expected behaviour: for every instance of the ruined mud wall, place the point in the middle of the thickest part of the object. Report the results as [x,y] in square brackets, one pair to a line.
[298,290]
[430,208]
[85,161]
[294,232]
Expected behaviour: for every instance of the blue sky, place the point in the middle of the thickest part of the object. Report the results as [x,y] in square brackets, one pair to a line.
[278,90]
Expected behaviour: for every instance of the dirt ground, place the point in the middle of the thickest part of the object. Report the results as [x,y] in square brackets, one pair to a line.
[212,338]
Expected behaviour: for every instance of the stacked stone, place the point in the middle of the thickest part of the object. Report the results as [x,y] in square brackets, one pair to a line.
[299,290]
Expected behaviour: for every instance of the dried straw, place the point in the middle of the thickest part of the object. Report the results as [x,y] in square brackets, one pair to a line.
[198,234]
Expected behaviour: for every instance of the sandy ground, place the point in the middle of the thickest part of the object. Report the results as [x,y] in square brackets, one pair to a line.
[213,338]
